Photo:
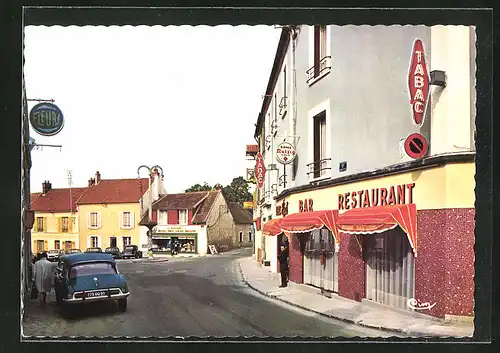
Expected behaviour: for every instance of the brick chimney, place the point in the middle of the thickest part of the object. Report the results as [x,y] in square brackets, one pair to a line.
[91,181]
[46,186]
[97,177]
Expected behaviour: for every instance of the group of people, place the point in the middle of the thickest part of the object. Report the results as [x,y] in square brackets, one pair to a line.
[42,272]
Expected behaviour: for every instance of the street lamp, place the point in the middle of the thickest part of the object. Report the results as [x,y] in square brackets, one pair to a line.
[149,223]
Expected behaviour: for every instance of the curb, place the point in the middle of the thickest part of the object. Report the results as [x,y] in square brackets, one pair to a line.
[406,332]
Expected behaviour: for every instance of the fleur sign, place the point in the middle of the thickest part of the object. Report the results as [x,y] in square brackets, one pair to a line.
[46,119]
[260,170]
[418,83]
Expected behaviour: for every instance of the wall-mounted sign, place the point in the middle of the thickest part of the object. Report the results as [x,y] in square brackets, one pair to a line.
[399,194]
[418,82]
[285,153]
[46,119]
[282,210]
[416,146]
[248,204]
[306,205]
[260,170]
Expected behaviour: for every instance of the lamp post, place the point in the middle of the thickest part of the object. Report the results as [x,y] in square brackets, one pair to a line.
[148,222]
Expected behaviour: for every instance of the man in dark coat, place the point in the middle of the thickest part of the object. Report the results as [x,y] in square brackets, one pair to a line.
[283,260]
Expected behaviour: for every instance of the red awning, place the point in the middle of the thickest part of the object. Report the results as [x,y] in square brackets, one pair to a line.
[272,227]
[308,221]
[379,219]
[257,223]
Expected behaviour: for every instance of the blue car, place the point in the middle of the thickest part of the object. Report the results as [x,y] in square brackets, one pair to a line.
[89,277]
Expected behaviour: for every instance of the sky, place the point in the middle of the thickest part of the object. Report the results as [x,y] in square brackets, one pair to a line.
[185,98]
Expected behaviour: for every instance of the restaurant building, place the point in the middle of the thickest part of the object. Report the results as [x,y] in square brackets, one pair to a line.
[381,206]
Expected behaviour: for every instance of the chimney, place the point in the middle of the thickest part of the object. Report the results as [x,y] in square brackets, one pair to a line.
[46,186]
[91,182]
[97,177]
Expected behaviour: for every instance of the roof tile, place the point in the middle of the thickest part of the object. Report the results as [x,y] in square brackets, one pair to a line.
[115,191]
[204,211]
[240,215]
[184,201]
[57,200]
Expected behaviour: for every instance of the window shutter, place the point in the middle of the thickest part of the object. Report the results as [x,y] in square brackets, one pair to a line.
[70,224]
[132,224]
[72,245]
[99,221]
[88,220]
[45,245]
[59,224]
[120,220]
[88,242]
[45,224]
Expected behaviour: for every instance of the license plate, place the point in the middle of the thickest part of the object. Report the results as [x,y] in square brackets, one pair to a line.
[96,294]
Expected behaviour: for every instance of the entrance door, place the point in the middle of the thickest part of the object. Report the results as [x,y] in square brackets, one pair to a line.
[321,260]
[112,242]
[389,270]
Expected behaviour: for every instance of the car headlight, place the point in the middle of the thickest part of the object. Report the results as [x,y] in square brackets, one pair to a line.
[124,288]
[70,293]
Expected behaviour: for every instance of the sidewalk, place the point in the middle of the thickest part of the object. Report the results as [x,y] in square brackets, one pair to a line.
[362,313]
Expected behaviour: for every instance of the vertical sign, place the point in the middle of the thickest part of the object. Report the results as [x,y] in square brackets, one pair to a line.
[260,170]
[418,83]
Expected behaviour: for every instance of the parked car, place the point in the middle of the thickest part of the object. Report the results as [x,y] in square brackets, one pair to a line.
[131,251]
[113,251]
[72,251]
[94,249]
[89,277]
[53,255]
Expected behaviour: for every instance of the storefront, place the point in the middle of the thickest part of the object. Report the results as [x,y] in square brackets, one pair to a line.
[163,237]
[404,240]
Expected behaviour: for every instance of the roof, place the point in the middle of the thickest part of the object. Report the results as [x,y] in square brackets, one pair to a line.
[188,200]
[56,200]
[202,215]
[240,215]
[87,257]
[115,191]
[34,196]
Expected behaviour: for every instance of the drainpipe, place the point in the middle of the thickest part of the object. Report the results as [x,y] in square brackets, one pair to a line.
[293,96]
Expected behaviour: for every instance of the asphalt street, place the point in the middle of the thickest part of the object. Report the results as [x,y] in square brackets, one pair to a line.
[188,297]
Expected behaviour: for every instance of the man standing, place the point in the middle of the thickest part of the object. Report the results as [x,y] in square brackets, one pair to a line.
[283,260]
[43,276]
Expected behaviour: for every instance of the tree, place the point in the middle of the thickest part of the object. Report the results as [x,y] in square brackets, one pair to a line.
[237,191]
[198,187]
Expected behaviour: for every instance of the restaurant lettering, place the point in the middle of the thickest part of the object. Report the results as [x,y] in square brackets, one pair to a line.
[282,210]
[306,205]
[399,194]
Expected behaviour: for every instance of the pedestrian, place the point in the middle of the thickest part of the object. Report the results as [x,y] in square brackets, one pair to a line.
[283,260]
[42,277]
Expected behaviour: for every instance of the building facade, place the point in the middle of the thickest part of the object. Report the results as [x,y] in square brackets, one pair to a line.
[55,224]
[108,212]
[242,225]
[356,95]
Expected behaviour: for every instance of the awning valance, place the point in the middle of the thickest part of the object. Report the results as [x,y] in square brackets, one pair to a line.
[379,219]
[272,227]
[307,221]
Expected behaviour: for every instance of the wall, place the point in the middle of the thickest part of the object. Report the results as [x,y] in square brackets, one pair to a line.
[351,268]
[110,224]
[245,228]
[220,224]
[52,232]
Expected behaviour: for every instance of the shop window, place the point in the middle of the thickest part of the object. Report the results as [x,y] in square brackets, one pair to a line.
[320,240]
[65,224]
[57,244]
[127,241]
[39,224]
[182,217]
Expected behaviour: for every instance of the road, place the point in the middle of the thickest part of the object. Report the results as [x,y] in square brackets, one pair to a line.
[188,297]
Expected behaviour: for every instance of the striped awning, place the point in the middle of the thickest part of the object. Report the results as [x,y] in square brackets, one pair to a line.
[307,221]
[272,227]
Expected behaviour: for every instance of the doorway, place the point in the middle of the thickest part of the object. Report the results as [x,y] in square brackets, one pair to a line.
[112,242]
[321,260]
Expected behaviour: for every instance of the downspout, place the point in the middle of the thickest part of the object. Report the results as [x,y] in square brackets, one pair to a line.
[293,98]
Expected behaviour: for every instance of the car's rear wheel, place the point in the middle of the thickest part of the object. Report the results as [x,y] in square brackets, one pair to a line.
[122,305]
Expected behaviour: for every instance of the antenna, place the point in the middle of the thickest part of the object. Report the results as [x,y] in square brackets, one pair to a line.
[70,182]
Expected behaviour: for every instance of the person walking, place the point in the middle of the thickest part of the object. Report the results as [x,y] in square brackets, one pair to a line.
[42,277]
[283,260]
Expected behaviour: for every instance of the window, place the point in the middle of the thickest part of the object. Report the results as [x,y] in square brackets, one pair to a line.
[94,242]
[183,217]
[319,57]
[126,220]
[320,240]
[68,245]
[97,268]
[93,220]
[249,236]
[126,241]
[65,224]
[39,246]
[241,237]
[163,217]
[112,242]
[319,144]
[57,244]
[39,224]
[319,47]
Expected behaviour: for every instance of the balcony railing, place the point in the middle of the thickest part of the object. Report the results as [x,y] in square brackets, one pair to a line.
[320,68]
[319,169]
[283,106]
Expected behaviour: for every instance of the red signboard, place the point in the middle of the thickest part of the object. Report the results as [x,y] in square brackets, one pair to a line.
[416,146]
[260,170]
[418,82]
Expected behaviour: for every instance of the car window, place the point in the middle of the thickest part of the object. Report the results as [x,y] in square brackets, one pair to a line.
[96,268]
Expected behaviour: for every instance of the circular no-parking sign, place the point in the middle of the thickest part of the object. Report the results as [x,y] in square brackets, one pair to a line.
[416,146]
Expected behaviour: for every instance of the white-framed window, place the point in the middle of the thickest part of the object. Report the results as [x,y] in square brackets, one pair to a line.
[319,53]
[65,224]
[320,163]
[183,217]
[57,244]
[126,241]
[163,217]
[127,220]
[94,220]
[94,241]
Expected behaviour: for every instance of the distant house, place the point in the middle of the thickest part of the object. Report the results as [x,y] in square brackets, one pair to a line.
[242,221]
[195,220]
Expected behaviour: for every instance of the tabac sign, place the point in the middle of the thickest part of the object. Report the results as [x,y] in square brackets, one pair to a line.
[260,170]
[418,83]
[46,119]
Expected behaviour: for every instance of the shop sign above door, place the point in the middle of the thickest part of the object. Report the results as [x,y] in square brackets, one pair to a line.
[285,153]
[46,119]
[418,83]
